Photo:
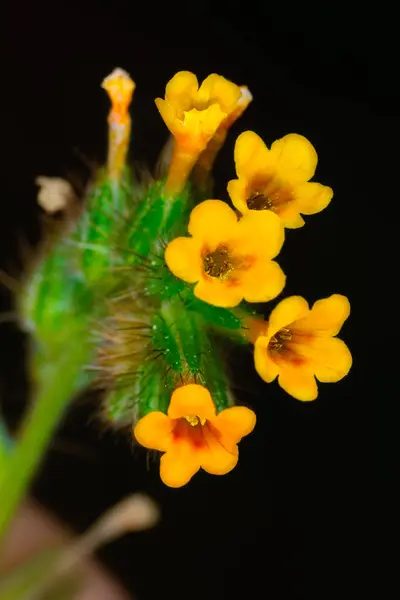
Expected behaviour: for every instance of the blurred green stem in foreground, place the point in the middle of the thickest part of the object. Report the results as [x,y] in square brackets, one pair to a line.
[5,443]
[57,383]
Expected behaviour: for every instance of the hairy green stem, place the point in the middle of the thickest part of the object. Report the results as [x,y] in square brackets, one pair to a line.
[58,383]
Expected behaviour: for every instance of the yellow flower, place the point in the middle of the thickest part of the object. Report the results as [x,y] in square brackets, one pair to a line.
[277,179]
[229,259]
[193,114]
[193,436]
[298,345]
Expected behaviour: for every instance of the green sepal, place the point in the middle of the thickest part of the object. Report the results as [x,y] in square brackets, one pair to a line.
[153,387]
[189,337]
[164,340]
[213,377]
[214,315]
[145,229]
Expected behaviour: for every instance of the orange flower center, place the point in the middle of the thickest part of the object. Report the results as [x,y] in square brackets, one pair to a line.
[279,347]
[218,263]
[268,195]
[195,420]
[191,429]
[278,341]
[259,201]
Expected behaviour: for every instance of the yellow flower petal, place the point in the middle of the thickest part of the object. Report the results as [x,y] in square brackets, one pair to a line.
[326,316]
[330,358]
[291,220]
[252,157]
[169,117]
[183,257]
[295,157]
[191,400]
[241,105]
[179,465]
[263,281]
[235,422]
[210,221]
[201,125]
[265,366]
[154,431]
[181,90]
[237,190]
[217,89]
[261,232]
[299,383]
[218,292]
[217,460]
[312,197]
[286,312]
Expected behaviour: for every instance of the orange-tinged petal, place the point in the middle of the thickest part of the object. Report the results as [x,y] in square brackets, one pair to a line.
[179,465]
[217,89]
[299,382]
[235,422]
[241,105]
[326,316]
[260,232]
[312,197]
[263,281]
[217,459]
[252,157]
[237,190]
[183,257]
[180,91]
[219,293]
[154,431]
[211,221]
[265,366]
[191,399]
[330,358]
[286,312]
[169,117]
[296,158]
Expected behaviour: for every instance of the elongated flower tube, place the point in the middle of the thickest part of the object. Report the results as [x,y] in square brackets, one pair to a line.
[193,115]
[120,88]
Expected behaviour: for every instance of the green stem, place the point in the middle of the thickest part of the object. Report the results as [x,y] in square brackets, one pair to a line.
[57,386]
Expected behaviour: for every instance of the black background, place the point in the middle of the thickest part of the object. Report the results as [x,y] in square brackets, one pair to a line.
[278,524]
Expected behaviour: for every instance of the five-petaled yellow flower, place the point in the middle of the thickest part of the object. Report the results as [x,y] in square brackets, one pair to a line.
[193,436]
[277,179]
[298,345]
[192,113]
[229,260]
